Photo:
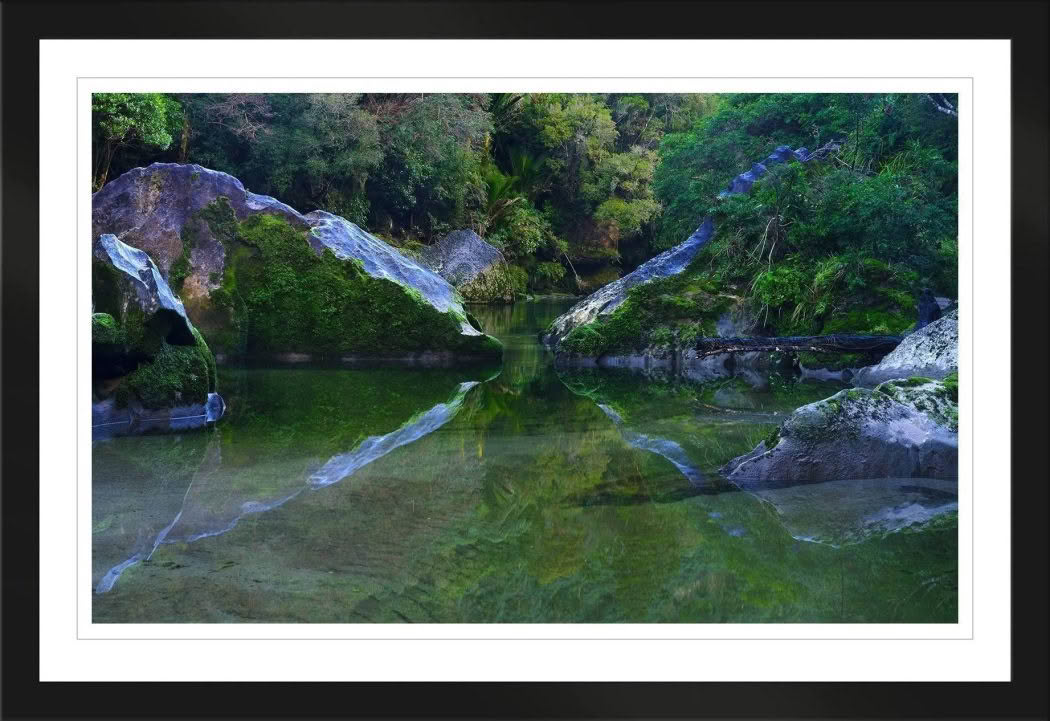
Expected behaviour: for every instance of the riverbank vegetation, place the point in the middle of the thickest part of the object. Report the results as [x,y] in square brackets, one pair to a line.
[578,189]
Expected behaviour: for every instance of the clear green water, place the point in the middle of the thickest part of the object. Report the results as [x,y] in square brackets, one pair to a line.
[520,494]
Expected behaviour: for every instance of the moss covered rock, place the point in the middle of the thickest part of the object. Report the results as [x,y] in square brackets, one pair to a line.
[258,277]
[903,429]
[149,363]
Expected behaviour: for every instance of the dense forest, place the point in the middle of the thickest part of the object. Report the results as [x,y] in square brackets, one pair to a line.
[578,189]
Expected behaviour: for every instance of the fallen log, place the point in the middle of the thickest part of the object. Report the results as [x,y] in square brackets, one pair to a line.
[815,343]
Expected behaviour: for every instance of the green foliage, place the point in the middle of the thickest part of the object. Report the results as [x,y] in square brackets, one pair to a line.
[889,194]
[176,375]
[105,331]
[523,232]
[548,275]
[119,117]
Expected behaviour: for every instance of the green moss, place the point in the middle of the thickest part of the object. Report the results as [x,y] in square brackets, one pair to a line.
[667,311]
[106,288]
[914,381]
[283,297]
[950,386]
[773,438]
[875,322]
[834,361]
[499,284]
[180,269]
[105,331]
[177,375]
[209,359]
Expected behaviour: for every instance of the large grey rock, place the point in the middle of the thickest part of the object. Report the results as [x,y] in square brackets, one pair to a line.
[128,280]
[140,282]
[461,256]
[149,207]
[108,420]
[932,352]
[889,432]
[607,298]
[671,262]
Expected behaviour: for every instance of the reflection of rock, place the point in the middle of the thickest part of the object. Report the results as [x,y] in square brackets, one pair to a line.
[152,370]
[890,432]
[660,446]
[373,447]
[839,512]
[932,352]
[213,503]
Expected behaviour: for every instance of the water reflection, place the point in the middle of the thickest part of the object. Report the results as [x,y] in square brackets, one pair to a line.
[218,497]
[537,495]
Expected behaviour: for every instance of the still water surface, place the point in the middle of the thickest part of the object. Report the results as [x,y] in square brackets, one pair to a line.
[516,494]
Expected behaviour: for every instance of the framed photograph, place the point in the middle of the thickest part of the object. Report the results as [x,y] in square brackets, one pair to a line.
[524,360]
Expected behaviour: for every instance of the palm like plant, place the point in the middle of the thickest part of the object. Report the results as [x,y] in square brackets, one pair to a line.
[500,194]
[528,171]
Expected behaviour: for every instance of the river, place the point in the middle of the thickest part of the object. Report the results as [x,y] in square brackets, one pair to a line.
[521,493]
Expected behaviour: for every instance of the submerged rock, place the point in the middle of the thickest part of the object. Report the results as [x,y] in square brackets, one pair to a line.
[932,352]
[196,223]
[152,369]
[906,429]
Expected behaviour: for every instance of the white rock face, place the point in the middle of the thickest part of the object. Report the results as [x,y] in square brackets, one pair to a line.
[932,352]
[144,283]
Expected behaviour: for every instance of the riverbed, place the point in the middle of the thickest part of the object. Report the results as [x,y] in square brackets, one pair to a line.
[519,493]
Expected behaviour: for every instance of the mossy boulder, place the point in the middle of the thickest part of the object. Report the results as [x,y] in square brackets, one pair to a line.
[474,266]
[151,367]
[903,429]
[260,278]
[932,352]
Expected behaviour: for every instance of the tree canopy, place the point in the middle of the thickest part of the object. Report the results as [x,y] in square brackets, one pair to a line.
[593,183]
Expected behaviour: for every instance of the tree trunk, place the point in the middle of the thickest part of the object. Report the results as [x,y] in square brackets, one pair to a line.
[813,343]
[107,158]
[184,143]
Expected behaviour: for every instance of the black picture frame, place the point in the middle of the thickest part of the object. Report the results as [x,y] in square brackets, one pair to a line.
[25,23]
